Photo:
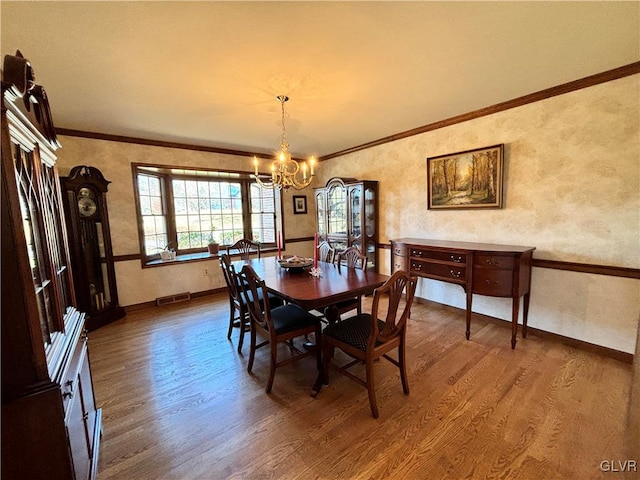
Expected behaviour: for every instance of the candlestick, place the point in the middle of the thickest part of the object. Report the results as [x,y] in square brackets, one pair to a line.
[279,245]
[315,250]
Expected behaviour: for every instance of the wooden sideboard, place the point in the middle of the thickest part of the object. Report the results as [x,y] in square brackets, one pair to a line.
[480,268]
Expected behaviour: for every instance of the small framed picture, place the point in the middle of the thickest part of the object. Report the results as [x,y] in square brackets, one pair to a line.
[299,204]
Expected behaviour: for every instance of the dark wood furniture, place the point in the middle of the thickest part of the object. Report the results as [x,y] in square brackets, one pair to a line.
[87,220]
[347,215]
[245,248]
[367,337]
[351,258]
[480,268]
[280,324]
[50,424]
[238,312]
[326,253]
[299,287]
[314,293]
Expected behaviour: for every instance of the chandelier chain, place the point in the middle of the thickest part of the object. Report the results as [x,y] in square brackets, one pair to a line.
[284,170]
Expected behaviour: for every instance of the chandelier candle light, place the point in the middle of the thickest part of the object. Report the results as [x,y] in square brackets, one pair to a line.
[284,170]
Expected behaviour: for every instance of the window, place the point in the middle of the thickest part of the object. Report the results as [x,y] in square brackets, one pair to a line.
[185,209]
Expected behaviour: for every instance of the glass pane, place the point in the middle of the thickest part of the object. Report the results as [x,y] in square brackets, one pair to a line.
[356,222]
[145,205]
[32,210]
[337,210]
[369,211]
[263,218]
[320,214]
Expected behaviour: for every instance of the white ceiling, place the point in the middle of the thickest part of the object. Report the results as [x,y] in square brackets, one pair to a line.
[207,73]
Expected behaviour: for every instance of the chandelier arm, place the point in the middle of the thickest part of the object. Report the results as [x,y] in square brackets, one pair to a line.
[284,169]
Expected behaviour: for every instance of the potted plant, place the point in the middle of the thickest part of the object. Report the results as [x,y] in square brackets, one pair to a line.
[168,253]
[213,245]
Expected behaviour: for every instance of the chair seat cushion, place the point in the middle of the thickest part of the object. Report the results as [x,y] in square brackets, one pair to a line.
[288,318]
[274,300]
[353,331]
[350,303]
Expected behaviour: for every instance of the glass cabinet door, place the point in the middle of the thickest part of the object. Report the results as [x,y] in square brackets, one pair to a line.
[47,258]
[370,211]
[355,198]
[321,214]
[337,210]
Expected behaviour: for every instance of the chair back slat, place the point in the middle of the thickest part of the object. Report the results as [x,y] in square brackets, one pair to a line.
[389,296]
[253,291]
[326,253]
[230,277]
[245,247]
[352,258]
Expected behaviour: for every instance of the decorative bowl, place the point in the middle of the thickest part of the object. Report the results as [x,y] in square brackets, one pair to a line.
[295,262]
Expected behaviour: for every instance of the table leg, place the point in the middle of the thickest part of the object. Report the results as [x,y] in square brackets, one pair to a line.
[469,301]
[514,320]
[525,314]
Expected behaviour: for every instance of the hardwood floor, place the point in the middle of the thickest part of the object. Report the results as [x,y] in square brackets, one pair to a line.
[178,403]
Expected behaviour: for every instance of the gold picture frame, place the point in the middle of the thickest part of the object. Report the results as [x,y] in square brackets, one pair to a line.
[469,179]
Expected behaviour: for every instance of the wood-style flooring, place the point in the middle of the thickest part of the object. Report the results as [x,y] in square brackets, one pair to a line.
[178,403]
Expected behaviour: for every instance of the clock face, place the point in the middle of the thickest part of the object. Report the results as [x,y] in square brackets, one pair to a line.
[86,203]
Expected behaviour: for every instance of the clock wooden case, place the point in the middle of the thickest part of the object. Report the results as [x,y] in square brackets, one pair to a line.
[90,245]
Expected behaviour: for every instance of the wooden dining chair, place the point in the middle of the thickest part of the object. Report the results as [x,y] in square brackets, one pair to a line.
[278,325]
[351,258]
[238,312]
[326,253]
[367,337]
[245,247]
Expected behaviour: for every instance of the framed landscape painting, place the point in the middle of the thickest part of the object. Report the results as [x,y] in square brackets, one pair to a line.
[470,179]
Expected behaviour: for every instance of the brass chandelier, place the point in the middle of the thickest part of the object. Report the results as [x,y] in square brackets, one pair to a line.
[284,170]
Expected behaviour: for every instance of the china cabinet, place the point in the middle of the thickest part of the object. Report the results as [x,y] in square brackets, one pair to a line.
[50,424]
[347,215]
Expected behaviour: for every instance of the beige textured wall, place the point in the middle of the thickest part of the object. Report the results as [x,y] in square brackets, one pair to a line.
[572,190]
[136,284]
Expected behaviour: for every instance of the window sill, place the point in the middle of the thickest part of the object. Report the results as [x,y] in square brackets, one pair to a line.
[194,257]
[187,257]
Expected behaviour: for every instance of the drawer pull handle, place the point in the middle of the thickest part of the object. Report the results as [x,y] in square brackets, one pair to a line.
[456,258]
[490,283]
[492,261]
[455,274]
[416,267]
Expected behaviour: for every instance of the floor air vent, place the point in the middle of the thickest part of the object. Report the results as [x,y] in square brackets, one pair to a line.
[177,298]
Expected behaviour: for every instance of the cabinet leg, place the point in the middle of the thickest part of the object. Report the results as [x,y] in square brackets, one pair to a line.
[525,314]
[514,321]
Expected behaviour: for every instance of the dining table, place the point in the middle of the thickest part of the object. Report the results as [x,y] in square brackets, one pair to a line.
[322,292]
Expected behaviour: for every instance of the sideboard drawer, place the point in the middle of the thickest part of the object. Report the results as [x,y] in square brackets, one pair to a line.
[454,257]
[449,273]
[399,251]
[491,260]
[492,282]
[399,263]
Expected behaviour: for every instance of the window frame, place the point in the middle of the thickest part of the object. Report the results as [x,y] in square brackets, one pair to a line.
[166,174]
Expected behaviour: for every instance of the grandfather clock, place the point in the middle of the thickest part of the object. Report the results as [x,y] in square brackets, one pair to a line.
[94,278]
